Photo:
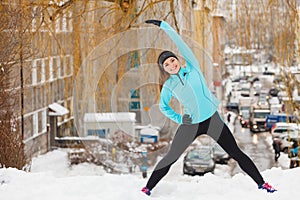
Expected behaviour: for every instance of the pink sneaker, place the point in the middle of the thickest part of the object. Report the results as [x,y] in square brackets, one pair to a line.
[267,187]
[146,191]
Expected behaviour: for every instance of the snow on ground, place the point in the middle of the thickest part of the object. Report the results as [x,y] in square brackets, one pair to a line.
[51,178]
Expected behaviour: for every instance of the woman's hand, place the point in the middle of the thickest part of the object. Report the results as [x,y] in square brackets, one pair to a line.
[153,21]
[186,119]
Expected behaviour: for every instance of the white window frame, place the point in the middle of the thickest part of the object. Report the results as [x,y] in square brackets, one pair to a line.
[34,21]
[58,67]
[51,69]
[70,21]
[64,23]
[71,64]
[54,60]
[57,25]
[43,73]
[44,120]
[35,125]
[34,72]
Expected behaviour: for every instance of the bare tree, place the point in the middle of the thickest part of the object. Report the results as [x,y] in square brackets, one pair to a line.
[12,52]
[22,21]
[271,26]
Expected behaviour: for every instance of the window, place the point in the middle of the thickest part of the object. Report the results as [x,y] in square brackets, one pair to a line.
[28,126]
[134,59]
[34,20]
[42,72]
[134,103]
[34,72]
[38,71]
[51,69]
[64,23]
[97,132]
[280,130]
[42,120]
[35,123]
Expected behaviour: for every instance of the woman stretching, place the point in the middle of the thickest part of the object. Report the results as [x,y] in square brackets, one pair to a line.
[187,85]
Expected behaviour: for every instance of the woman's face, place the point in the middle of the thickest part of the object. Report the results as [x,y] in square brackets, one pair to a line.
[171,65]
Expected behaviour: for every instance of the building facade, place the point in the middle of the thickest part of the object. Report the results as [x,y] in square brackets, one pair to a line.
[87,56]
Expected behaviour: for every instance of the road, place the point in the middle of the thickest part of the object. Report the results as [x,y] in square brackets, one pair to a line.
[257,146]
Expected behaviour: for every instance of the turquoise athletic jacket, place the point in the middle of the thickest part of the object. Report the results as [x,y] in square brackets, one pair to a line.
[188,86]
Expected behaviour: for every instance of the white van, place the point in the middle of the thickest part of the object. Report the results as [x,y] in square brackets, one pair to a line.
[281,128]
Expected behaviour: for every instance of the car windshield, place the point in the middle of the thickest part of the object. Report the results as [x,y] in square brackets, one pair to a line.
[260,115]
[246,115]
[288,131]
[247,108]
[218,148]
[199,154]
[245,89]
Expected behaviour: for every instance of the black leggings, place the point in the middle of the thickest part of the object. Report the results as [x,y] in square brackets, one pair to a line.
[186,134]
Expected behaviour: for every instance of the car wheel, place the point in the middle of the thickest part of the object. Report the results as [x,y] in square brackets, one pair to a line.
[184,171]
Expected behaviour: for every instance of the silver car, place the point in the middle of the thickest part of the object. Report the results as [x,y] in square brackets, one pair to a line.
[220,155]
[199,161]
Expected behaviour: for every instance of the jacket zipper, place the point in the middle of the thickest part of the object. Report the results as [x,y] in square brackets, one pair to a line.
[180,79]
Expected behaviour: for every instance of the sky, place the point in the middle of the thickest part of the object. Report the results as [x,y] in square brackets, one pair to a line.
[52,178]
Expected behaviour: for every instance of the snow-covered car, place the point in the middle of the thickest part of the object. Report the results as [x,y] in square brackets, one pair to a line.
[274,100]
[281,95]
[280,129]
[199,161]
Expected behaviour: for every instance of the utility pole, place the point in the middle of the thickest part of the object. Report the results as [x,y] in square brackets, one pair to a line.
[21,73]
[22,91]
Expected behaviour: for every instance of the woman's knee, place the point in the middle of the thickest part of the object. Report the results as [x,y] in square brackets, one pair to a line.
[167,161]
[236,154]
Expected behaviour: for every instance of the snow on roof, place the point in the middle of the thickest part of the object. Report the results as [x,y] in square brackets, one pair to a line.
[58,110]
[58,2]
[149,131]
[110,117]
[147,126]
[238,50]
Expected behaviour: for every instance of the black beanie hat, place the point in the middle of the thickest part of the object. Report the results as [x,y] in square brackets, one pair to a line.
[164,56]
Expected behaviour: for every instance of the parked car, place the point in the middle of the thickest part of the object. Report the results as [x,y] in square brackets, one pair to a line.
[199,161]
[245,92]
[274,100]
[256,90]
[232,106]
[244,118]
[281,128]
[286,142]
[245,89]
[273,92]
[268,73]
[281,95]
[262,99]
[220,155]
[253,79]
